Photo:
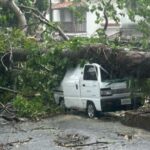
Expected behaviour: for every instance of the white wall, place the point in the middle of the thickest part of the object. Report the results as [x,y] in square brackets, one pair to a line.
[91,26]
[55,1]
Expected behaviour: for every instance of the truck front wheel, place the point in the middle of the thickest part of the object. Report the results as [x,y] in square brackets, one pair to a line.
[91,111]
[62,106]
[62,103]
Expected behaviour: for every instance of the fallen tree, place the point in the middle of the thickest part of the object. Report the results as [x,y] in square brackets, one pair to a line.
[118,62]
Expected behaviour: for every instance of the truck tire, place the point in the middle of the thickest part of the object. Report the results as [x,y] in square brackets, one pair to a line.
[62,103]
[91,111]
[62,106]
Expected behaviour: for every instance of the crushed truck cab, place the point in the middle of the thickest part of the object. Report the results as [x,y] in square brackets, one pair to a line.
[91,88]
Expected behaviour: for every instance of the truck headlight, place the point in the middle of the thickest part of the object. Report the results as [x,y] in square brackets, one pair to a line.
[106,92]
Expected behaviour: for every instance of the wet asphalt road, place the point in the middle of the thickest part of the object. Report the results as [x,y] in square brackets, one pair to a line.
[52,133]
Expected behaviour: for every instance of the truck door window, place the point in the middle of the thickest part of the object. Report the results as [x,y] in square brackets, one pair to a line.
[90,73]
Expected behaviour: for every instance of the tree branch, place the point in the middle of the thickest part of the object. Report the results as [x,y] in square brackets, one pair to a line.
[106,15]
[7,89]
[106,20]
[41,17]
[19,14]
[3,64]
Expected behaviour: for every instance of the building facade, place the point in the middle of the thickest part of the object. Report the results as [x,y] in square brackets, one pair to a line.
[73,26]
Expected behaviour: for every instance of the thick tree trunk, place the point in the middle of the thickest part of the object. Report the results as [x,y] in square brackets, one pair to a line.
[19,14]
[119,63]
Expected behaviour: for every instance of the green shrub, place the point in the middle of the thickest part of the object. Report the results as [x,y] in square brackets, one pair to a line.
[29,108]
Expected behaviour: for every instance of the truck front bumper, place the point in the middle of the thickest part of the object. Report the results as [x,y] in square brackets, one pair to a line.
[116,104]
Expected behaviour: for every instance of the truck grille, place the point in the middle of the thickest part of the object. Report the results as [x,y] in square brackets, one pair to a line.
[119,91]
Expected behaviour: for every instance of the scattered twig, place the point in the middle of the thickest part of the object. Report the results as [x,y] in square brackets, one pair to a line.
[42,128]
[7,89]
[3,61]
[2,146]
[11,53]
[14,118]
[19,142]
[8,112]
[7,107]
[81,145]
[44,67]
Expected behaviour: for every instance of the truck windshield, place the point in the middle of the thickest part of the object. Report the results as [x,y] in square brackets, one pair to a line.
[105,76]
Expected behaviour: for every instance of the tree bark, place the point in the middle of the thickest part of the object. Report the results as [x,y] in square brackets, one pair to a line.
[118,62]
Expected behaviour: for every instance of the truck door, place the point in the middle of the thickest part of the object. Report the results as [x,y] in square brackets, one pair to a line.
[90,89]
[71,88]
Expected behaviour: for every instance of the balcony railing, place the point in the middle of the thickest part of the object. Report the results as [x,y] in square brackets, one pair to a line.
[73,27]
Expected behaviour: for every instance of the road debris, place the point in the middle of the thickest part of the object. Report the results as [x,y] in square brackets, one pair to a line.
[71,140]
[8,113]
[73,133]
[77,140]
[126,136]
[44,128]
[19,141]
[14,143]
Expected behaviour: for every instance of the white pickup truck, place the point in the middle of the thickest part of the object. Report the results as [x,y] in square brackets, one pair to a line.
[90,88]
